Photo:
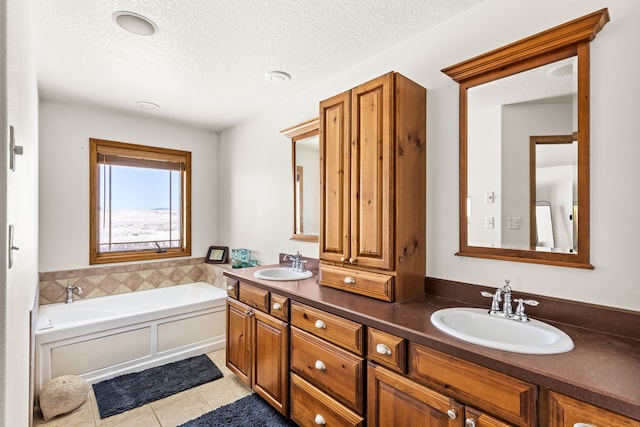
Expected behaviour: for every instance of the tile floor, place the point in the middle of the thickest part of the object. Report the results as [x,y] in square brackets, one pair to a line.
[168,412]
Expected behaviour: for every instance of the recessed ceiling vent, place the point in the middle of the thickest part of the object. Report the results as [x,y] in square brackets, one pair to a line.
[135,23]
[277,77]
[146,105]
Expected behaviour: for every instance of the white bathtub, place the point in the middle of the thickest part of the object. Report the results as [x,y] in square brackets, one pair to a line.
[100,338]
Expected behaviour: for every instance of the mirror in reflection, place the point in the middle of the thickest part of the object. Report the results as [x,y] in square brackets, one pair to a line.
[553,193]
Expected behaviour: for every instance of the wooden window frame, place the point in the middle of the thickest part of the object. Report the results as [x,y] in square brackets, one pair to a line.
[137,153]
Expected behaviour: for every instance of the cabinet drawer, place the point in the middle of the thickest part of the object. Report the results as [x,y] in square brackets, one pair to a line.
[333,370]
[311,407]
[340,331]
[375,285]
[387,349]
[279,307]
[255,297]
[232,288]
[506,397]
[565,411]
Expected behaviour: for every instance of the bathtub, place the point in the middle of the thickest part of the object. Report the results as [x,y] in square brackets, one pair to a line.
[100,338]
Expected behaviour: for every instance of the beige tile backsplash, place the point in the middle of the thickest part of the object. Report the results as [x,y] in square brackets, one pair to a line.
[111,280]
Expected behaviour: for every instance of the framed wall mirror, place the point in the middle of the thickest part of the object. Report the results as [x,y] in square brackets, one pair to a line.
[524,147]
[305,162]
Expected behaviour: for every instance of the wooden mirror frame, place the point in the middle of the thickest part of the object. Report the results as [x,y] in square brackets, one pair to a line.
[296,133]
[564,41]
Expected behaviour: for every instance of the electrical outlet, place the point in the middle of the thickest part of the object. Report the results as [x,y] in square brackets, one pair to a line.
[488,222]
[513,223]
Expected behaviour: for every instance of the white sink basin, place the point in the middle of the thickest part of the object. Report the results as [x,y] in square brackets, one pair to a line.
[282,274]
[477,326]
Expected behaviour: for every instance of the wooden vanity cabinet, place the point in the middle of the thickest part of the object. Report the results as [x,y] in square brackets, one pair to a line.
[258,346]
[505,397]
[327,368]
[565,411]
[373,189]
[395,400]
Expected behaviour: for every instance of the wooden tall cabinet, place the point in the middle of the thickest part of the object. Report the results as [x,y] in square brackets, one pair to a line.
[373,189]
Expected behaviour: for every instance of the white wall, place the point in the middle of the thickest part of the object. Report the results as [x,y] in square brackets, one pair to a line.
[257,206]
[64,176]
[19,188]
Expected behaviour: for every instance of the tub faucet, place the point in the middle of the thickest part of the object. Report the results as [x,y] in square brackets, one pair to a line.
[70,290]
[297,263]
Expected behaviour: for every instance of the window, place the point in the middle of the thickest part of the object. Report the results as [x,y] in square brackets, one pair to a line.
[140,202]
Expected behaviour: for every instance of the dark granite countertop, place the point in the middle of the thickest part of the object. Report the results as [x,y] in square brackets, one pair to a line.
[602,369]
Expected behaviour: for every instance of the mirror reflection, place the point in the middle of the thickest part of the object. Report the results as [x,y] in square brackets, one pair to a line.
[307,186]
[503,117]
[305,145]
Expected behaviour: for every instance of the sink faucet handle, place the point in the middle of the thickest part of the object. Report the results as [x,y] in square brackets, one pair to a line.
[520,314]
[496,298]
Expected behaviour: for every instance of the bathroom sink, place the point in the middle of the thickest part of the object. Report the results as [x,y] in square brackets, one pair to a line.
[477,326]
[282,274]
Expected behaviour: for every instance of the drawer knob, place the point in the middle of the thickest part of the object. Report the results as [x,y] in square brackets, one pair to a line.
[277,306]
[231,287]
[320,366]
[470,422]
[320,324]
[249,313]
[349,280]
[383,349]
[319,419]
[452,414]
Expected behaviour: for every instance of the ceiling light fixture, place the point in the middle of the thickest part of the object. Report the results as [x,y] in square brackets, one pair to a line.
[135,23]
[146,105]
[277,77]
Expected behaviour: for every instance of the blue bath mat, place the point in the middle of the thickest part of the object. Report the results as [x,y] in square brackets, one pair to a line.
[250,411]
[130,391]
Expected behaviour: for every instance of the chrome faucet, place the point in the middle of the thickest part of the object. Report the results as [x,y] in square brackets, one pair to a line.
[70,290]
[507,310]
[297,263]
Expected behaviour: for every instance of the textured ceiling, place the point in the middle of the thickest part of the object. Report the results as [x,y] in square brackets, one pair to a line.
[205,65]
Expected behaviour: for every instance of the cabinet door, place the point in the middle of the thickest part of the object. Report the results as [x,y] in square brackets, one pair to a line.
[271,361]
[394,400]
[239,340]
[335,134]
[372,177]
[565,411]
